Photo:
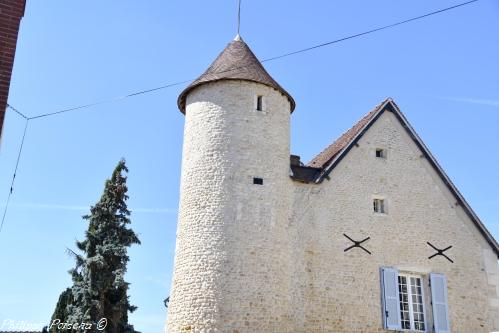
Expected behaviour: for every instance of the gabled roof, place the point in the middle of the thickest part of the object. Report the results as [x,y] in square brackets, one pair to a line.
[236,62]
[333,149]
[334,153]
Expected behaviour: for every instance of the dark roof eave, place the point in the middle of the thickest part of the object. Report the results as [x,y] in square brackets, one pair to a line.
[304,174]
[235,62]
[181,100]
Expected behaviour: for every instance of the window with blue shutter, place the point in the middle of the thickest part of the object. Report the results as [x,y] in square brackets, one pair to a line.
[390,298]
[438,283]
[412,308]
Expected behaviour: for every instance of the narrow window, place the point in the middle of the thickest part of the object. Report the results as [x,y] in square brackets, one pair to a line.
[381,153]
[259,103]
[258,181]
[411,301]
[379,206]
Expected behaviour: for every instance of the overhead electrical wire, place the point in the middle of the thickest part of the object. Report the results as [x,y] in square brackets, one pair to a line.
[368,32]
[146,91]
[15,171]
[17,111]
[84,106]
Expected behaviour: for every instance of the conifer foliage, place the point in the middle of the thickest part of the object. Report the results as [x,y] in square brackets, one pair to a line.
[99,289]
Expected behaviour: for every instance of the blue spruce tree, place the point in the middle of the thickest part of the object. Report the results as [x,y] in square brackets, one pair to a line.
[99,291]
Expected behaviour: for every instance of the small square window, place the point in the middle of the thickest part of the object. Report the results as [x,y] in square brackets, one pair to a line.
[379,206]
[259,103]
[258,181]
[380,152]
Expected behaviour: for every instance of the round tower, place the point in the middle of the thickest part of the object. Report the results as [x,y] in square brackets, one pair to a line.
[231,260]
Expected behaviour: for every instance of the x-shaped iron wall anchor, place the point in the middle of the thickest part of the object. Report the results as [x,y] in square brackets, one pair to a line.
[440,252]
[166,301]
[356,244]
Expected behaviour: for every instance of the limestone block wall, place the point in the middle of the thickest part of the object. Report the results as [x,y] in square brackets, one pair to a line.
[492,270]
[232,253]
[339,291]
[270,258]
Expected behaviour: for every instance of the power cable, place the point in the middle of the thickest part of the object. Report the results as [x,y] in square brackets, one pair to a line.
[109,100]
[264,60]
[368,32]
[84,106]
[16,111]
[14,175]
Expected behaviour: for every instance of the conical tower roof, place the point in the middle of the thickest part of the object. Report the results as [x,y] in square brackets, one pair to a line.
[236,62]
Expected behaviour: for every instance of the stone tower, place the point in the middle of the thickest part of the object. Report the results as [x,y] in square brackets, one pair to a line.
[232,251]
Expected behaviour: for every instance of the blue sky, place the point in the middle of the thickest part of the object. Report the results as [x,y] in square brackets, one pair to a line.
[442,72]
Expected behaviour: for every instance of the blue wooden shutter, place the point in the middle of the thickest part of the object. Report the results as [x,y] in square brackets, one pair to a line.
[390,299]
[439,302]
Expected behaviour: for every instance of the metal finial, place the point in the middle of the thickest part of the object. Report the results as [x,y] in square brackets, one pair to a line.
[239,18]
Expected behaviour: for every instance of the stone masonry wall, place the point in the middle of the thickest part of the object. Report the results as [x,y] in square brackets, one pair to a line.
[253,258]
[232,257]
[340,291]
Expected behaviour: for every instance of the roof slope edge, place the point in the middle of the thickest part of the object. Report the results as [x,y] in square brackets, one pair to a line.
[333,154]
[235,62]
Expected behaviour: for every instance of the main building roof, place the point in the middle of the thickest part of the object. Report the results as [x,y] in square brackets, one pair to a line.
[321,165]
[236,62]
[331,151]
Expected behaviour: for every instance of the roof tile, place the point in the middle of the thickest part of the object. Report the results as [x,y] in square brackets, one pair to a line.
[328,154]
[236,62]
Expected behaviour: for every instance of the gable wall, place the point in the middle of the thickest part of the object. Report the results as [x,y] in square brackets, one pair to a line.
[340,291]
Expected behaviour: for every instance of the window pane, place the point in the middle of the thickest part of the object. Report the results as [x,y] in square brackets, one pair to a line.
[379,205]
[411,303]
[417,303]
[404,303]
[419,326]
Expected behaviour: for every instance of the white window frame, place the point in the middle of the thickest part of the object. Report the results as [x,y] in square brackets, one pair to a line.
[384,205]
[383,152]
[264,105]
[408,276]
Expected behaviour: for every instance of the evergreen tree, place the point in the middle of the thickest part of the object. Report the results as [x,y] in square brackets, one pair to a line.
[61,312]
[99,289]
